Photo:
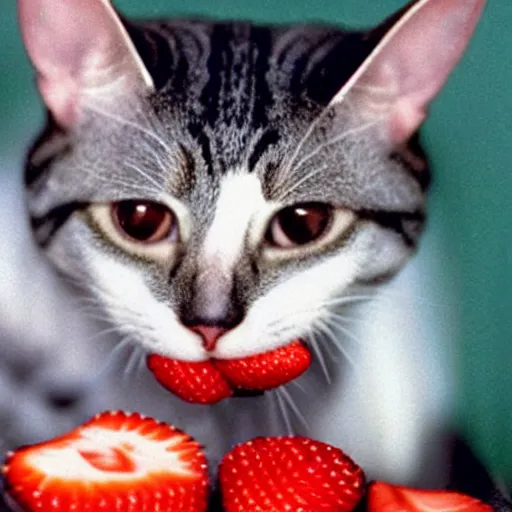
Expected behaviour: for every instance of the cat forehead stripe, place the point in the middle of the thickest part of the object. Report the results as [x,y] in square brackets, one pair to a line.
[240,199]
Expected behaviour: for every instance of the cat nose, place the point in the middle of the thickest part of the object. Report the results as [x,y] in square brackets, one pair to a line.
[209,333]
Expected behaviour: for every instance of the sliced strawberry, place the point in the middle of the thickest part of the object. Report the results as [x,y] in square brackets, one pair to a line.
[384,497]
[268,370]
[208,382]
[289,474]
[195,382]
[116,461]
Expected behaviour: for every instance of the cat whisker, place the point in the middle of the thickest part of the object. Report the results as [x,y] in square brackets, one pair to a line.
[120,346]
[320,310]
[90,300]
[274,328]
[125,122]
[92,310]
[299,386]
[93,315]
[336,343]
[142,362]
[280,326]
[145,175]
[133,362]
[343,317]
[100,334]
[313,343]
[86,289]
[347,300]
[408,297]
[95,311]
[293,406]
[131,321]
[339,138]
[296,185]
[104,298]
[114,354]
[138,188]
[281,406]
[302,141]
[334,321]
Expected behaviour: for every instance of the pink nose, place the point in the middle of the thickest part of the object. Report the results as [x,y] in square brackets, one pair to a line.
[210,334]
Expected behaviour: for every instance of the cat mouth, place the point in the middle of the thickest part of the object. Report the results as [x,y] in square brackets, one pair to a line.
[213,380]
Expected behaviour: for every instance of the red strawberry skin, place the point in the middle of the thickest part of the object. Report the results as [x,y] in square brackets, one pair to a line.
[115,462]
[268,370]
[195,382]
[384,497]
[289,474]
[208,382]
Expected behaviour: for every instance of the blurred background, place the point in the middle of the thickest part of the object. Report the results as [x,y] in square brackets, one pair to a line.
[469,240]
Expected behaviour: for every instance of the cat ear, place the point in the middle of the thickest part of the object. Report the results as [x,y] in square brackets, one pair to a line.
[411,64]
[81,51]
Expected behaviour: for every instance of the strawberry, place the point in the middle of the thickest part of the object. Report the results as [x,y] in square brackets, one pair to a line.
[116,461]
[195,382]
[268,370]
[208,382]
[384,497]
[289,474]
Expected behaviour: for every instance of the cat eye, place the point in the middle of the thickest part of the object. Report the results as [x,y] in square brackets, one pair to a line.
[143,221]
[299,225]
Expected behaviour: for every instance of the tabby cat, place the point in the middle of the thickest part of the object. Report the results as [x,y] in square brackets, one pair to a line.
[217,189]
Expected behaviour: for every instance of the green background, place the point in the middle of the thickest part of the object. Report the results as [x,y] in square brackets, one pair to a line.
[469,135]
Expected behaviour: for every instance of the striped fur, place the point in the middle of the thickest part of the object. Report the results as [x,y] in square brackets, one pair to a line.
[234,96]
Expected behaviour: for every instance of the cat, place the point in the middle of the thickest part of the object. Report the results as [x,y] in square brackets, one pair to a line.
[217,189]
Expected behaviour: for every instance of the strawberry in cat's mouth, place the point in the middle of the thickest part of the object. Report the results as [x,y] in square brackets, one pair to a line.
[208,382]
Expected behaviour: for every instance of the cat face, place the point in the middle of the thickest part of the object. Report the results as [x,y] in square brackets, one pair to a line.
[219,188]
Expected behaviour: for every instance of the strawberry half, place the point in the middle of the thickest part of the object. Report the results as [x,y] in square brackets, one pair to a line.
[289,474]
[384,497]
[208,382]
[116,461]
[268,370]
[195,382]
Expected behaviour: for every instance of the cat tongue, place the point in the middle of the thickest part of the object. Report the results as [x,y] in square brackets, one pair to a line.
[208,382]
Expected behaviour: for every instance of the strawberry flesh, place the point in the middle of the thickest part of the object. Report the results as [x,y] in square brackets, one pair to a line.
[208,382]
[116,461]
[384,497]
[289,474]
